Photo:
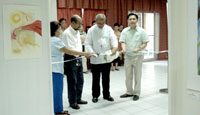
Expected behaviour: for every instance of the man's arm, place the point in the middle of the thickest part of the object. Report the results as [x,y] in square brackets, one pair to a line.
[88,42]
[122,40]
[72,52]
[145,40]
[144,45]
[123,47]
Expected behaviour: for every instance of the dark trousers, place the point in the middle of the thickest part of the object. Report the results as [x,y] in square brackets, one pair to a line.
[97,70]
[75,80]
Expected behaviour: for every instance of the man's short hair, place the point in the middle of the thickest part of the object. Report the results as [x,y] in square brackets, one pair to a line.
[132,14]
[88,26]
[93,22]
[61,19]
[116,24]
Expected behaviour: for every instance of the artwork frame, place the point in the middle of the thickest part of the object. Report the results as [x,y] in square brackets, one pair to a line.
[198,40]
[193,51]
[22,29]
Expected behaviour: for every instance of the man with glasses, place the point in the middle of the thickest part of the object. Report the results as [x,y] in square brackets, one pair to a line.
[73,69]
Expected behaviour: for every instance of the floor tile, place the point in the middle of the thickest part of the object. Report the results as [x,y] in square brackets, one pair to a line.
[151,101]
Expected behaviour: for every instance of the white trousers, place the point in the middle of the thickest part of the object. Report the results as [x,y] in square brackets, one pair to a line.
[133,70]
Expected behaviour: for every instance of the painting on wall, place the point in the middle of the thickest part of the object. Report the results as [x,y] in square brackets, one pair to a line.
[22,31]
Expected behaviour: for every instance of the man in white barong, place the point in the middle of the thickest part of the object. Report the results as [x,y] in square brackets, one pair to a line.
[100,39]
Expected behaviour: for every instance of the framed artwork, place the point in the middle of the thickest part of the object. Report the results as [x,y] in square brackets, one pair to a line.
[22,31]
[193,45]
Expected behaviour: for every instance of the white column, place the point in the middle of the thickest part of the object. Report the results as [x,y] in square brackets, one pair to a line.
[179,36]
[26,84]
[53,10]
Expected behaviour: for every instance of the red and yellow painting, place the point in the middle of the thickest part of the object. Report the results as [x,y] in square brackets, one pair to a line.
[22,29]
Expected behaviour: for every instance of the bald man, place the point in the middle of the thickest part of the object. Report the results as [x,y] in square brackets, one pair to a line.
[73,69]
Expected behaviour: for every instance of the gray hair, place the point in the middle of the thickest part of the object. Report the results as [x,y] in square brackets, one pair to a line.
[100,16]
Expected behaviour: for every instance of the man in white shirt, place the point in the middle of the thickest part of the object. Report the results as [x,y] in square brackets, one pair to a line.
[100,38]
[73,69]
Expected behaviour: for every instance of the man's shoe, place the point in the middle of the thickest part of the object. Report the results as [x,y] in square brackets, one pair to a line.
[82,102]
[109,98]
[125,95]
[94,99]
[74,106]
[135,98]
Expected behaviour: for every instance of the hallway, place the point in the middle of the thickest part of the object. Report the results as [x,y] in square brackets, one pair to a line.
[151,101]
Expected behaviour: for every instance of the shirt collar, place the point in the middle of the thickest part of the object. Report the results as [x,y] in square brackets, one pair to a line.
[100,29]
[72,30]
[136,29]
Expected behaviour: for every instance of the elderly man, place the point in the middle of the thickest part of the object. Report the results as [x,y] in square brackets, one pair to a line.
[134,39]
[73,69]
[100,39]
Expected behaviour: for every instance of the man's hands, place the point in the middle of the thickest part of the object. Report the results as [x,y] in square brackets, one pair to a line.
[140,48]
[124,51]
[88,55]
[123,48]
[136,50]
[114,50]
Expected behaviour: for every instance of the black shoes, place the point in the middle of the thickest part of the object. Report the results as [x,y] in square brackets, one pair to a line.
[125,95]
[135,98]
[74,106]
[82,102]
[94,99]
[109,98]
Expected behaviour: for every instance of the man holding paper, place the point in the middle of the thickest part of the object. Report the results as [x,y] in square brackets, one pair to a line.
[100,38]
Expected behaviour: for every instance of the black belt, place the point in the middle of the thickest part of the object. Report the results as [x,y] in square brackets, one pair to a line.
[70,57]
[67,57]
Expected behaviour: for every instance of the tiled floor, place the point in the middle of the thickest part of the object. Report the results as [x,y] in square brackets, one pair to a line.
[151,101]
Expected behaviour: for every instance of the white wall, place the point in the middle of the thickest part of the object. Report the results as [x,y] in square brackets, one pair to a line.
[53,10]
[25,85]
[182,27]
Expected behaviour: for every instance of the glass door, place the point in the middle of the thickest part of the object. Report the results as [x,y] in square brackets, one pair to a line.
[148,25]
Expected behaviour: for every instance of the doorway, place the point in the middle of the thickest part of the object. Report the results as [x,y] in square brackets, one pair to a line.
[147,21]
